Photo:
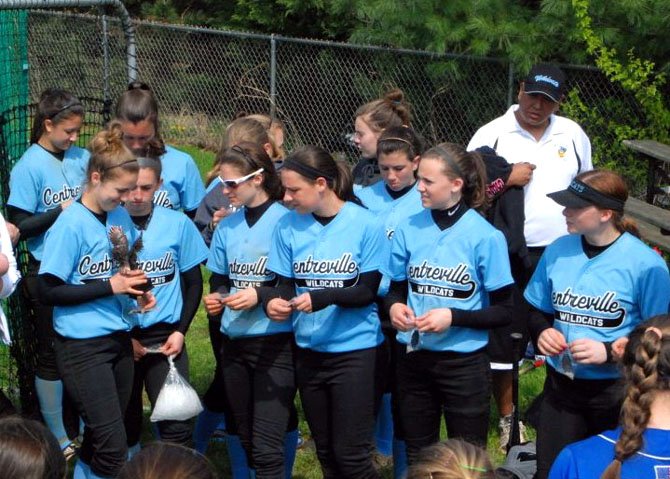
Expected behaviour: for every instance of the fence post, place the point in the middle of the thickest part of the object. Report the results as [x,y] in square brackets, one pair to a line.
[106,95]
[273,76]
[510,85]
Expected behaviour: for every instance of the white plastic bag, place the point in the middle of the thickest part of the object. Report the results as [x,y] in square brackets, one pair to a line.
[177,400]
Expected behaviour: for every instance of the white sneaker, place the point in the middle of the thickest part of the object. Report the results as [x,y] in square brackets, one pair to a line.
[504,430]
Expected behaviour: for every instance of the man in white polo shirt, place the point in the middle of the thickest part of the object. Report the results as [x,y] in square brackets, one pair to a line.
[547,151]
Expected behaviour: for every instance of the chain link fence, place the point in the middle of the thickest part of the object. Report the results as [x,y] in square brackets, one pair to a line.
[203,77]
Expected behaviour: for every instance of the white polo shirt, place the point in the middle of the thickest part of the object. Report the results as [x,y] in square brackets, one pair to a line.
[562,153]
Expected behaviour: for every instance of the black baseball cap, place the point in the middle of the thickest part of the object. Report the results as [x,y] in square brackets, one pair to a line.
[547,80]
[581,195]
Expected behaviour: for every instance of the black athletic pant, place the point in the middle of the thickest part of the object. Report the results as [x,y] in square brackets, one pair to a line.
[150,373]
[98,375]
[435,383]
[573,410]
[45,336]
[213,399]
[259,375]
[340,393]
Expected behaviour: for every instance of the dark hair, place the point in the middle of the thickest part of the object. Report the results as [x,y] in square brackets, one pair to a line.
[249,157]
[452,459]
[109,154]
[28,450]
[646,368]
[314,162]
[467,165]
[137,104]
[386,112]
[152,164]
[56,105]
[400,138]
[167,461]
[611,184]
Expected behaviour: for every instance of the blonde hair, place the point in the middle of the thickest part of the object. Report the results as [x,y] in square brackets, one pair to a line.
[167,461]
[452,459]
[246,128]
[646,367]
[109,154]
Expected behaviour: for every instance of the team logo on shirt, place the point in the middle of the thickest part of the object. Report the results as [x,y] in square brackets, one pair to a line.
[389,233]
[160,270]
[561,151]
[313,273]
[51,197]
[662,472]
[161,198]
[602,311]
[251,275]
[455,282]
[94,269]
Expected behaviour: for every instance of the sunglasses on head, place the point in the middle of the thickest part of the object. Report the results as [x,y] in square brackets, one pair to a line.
[232,184]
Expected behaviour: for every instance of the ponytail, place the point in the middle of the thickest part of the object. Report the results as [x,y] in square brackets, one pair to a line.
[313,162]
[646,364]
[467,165]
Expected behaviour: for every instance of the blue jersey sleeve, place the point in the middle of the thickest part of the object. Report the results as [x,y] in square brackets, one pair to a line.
[539,289]
[654,290]
[564,466]
[192,248]
[493,262]
[396,266]
[194,190]
[24,188]
[62,244]
[280,259]
[217,262]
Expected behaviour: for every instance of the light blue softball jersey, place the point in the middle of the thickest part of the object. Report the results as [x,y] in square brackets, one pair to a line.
[182,187]
[451,268]
[78,250]
[172,245]
[330,256]
[241,253]
[40,182]
[602,298]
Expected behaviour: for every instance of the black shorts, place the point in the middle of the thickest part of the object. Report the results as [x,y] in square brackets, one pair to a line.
[501,347]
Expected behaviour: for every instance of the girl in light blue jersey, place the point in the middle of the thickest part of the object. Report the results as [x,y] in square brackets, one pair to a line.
[171,255]
[326,256]
[640,447]
[182,188]
[46,180]
[450,283]
[79,277]
[257,353]
[590,288]
[394,199]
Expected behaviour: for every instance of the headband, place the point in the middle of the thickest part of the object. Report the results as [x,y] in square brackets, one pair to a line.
[305,170]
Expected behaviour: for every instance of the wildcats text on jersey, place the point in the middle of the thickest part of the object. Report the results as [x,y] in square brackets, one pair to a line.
[459,283]
[337,273]
[611,313]
[55,198]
